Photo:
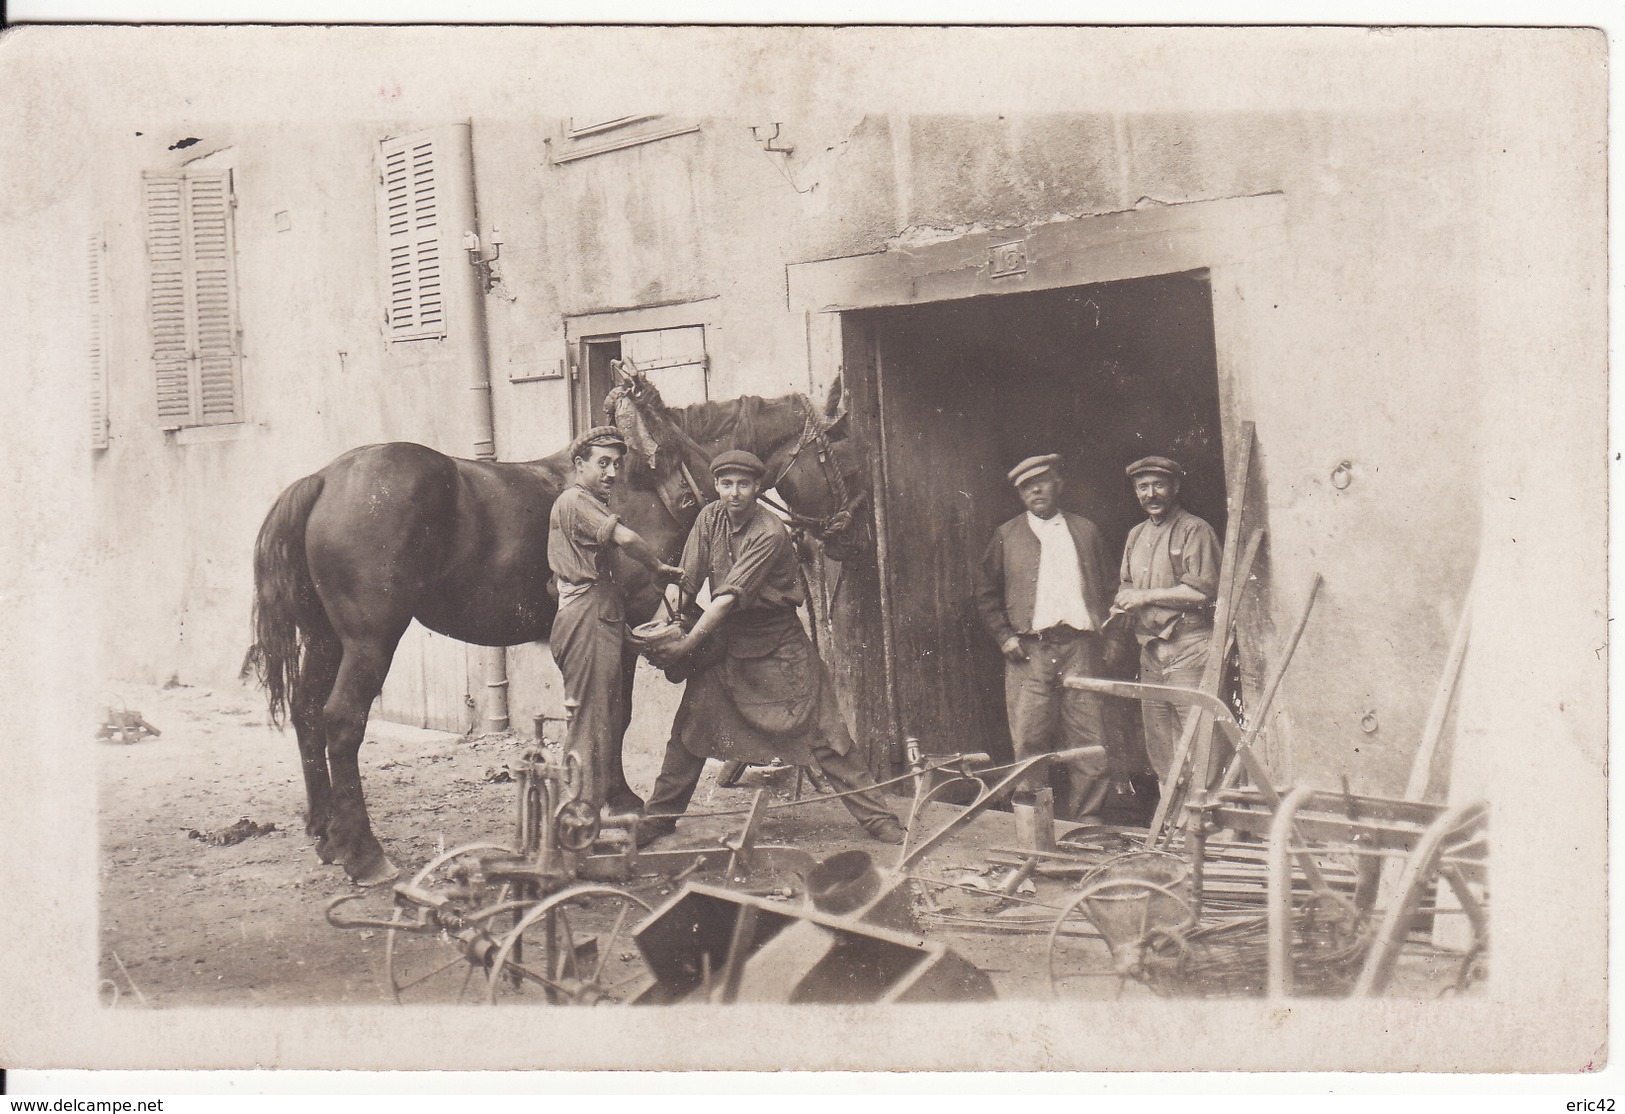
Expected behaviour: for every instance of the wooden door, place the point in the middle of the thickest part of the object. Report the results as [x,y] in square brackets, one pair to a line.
[945,494]
[428,683]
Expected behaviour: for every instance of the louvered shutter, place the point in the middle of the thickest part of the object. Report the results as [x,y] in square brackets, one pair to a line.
[171,330]
[415,308]
[219,387]
[192,301]
[96,333]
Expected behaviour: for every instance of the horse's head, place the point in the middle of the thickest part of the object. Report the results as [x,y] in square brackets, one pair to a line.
[658,461]
[824,479]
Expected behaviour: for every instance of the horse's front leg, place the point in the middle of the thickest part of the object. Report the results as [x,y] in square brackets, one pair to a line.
[350,839]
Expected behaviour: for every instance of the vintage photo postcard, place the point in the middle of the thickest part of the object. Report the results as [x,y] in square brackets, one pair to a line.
[868,548]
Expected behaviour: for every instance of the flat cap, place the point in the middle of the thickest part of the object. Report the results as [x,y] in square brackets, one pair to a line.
[738,460]
[1032,466]
[1155,464]
[599,435]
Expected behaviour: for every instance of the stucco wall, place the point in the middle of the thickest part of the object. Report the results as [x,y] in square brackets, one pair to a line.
[177,512]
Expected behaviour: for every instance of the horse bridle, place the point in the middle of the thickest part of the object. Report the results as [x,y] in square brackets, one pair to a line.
[813,435]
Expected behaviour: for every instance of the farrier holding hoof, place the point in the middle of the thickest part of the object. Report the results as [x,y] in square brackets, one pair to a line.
[1170,578]
[583,534]
[756,689]
[1042,590]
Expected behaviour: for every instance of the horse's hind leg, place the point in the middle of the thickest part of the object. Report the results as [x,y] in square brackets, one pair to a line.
[315,683]
[349,831]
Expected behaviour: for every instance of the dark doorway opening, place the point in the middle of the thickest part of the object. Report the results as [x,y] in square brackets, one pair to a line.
[594,380]
[1103,374]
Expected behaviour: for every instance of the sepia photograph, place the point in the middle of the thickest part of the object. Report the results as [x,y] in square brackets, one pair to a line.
[844,548]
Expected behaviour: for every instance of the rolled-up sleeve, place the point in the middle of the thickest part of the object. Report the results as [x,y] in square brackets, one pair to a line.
[696,560]
[1200,558]
[588,519]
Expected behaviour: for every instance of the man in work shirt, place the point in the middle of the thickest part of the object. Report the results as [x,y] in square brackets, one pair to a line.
[756,689]
[583,534]
[1041,590]
[1170,578]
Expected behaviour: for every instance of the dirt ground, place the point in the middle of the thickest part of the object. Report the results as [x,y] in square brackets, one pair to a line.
[190,922]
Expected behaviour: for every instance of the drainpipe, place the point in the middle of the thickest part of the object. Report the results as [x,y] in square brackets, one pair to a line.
[493,659]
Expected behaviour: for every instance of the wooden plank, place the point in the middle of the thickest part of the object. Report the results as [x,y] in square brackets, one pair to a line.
[1443,697]
[1244,749]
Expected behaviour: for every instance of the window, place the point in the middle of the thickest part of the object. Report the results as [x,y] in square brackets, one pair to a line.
[409,210]
[674,359]
[192,300]
[96,334]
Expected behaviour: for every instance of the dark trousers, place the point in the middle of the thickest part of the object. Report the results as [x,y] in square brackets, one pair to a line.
[1045,715]
[680,774]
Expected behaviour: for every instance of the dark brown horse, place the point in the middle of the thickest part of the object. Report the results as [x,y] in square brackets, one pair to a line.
[349,556]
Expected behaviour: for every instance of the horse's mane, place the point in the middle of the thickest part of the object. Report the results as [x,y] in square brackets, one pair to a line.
[661,432]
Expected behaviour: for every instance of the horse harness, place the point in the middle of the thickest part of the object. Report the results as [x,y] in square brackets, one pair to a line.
[812,435]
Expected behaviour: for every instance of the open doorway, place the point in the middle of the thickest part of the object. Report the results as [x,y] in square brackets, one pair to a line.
[594,380]
[1102,374]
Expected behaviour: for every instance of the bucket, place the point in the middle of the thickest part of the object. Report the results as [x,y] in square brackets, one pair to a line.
[843,882]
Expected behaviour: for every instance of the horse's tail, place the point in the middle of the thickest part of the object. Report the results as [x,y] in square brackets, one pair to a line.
[282,590]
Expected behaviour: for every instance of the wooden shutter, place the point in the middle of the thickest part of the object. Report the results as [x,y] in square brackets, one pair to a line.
[415,307]
[192,300]
[674,359]
[96,333]
[219,386]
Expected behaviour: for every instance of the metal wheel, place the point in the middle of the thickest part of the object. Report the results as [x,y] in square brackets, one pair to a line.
[1114,929]
[573,948]
[433,967]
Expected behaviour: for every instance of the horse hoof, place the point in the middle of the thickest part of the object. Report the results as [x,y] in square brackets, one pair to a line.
[381,872]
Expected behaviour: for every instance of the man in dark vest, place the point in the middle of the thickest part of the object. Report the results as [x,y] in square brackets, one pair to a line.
[582,536]
[756,689]
[1043,592]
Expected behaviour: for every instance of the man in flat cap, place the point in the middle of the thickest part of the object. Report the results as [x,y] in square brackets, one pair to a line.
[1042,590]
[583,534]
[1170,577]
[756,689]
